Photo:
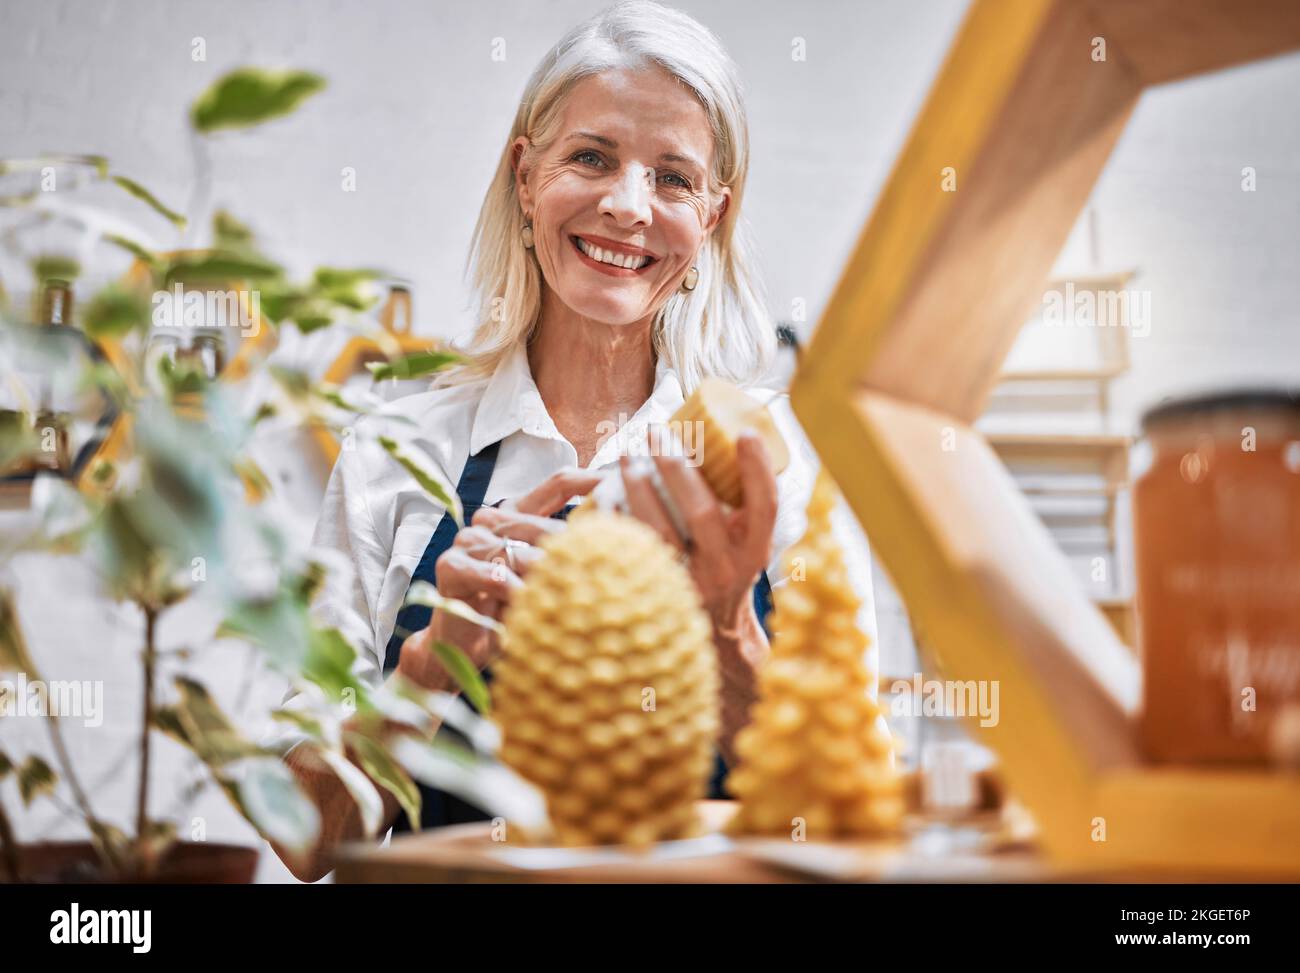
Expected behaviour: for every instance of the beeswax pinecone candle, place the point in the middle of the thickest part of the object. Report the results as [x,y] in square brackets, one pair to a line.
[816,748]
[607,692]
[710,422]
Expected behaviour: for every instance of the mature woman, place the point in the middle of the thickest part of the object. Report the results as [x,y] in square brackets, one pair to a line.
[613,275]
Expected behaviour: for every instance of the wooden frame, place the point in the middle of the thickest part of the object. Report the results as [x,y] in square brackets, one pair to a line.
[902,363]
[359,351]
[118,441]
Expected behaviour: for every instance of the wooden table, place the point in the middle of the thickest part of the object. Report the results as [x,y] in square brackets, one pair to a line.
[466,853]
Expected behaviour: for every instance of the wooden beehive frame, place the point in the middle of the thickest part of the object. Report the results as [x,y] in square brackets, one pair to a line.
[360,351]
[1024,118]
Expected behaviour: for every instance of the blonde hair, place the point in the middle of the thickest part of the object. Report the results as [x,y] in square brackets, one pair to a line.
[721,328]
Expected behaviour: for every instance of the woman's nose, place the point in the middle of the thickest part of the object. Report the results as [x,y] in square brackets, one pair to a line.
[630,195]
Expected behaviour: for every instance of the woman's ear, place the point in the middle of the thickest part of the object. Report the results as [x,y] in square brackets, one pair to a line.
[518,153]
[720,210]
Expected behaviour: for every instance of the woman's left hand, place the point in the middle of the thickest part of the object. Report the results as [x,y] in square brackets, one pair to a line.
[728,548]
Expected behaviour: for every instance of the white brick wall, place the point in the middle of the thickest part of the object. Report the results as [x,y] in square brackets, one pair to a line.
[416,105]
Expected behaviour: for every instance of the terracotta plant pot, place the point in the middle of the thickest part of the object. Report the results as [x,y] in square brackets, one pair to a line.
[186,863]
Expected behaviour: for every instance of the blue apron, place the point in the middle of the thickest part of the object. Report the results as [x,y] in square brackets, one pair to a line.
[439,807]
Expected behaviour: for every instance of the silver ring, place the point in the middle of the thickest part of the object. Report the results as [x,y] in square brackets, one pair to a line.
[510,545]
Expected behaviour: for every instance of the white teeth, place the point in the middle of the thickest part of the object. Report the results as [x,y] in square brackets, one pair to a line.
[627,261]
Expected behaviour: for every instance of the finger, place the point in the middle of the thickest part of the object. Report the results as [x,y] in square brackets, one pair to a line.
[691,495]
[760,498]
[483,545]
[554,492]
[462,576]
[522,527]
[644,504]
[478,541]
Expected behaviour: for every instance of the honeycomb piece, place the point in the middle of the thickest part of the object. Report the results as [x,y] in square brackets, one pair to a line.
[723,412]
[618,721]
[817,748]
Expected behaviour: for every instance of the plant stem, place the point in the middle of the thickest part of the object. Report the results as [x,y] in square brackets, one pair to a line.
[8,846]
[83,803]
[146,721]
[13,630]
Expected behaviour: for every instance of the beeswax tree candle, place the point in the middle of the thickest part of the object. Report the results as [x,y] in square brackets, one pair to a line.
[709,423]
[607,693]
[816,751]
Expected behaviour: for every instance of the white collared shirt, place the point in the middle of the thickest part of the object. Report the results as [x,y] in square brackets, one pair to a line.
[379,518]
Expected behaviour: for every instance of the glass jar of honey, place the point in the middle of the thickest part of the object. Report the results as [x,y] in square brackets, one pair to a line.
[1217,550]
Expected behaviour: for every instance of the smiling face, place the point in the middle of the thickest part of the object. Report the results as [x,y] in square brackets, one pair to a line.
[620,202]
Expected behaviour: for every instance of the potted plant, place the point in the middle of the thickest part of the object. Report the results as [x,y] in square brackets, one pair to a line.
[171,508]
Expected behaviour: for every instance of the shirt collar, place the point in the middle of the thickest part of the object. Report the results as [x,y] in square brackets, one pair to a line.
[511,403]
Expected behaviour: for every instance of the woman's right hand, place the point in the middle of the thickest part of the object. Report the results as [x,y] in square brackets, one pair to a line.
[476,570]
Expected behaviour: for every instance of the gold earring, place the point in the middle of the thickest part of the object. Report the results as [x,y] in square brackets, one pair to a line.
[691,279]
[527,234]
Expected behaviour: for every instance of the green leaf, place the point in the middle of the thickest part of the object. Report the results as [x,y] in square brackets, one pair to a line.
[491,786]
[307,583]
[332,394]
[427,475]
[111,841]
[14,656]
[277,625]
[135,249]
[307,724]
[379,764]
[413,365]
[130,559]
[115,311]
[182,377]
[359,786]
[249,96]
[281,299]
[17,436]
[158,837]
[297,383]
[329,664]
[423,593]
[482,734]
[230,234]
[219,267]
[344,278]
[253,477]
[53,266]
[206,730]
[34,779]
[142,194]
[465,673]
[308,322]
[167,719]
[268,796]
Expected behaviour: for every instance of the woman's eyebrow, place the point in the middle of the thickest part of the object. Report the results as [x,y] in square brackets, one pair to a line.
[611,144]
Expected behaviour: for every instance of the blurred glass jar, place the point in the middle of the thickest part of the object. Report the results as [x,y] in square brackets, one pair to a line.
[1217,548]
[208,352]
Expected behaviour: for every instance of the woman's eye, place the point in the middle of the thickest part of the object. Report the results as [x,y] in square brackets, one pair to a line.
[681,182]
[587,157]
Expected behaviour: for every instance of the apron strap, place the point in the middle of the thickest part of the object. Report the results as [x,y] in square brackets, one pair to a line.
[471,488]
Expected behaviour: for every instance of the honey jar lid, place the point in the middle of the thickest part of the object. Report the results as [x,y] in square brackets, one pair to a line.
[1273,400]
